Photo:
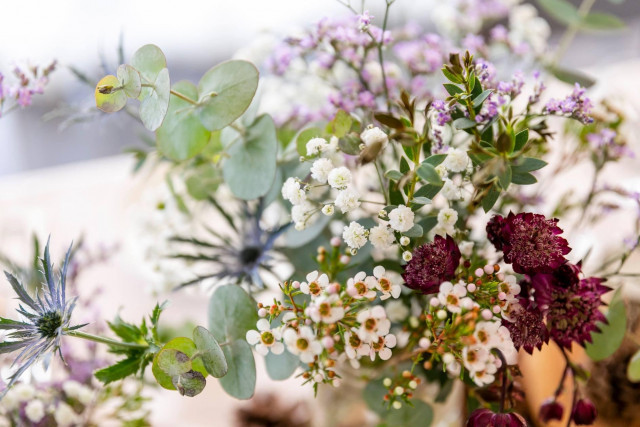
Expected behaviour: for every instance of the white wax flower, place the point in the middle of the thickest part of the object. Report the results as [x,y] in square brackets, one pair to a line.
[456,160]
[381,236]
[397,311]
[339,177]
[348,200]
[355,235]
[320,170]
[401,218]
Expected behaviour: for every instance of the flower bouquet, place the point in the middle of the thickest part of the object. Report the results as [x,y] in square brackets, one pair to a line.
[369,210]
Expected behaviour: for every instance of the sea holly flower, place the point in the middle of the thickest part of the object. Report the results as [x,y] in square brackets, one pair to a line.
[432,264]
[529,241]
[265,338]
[359,287]
[47,319]
[302,343]
[315,284]
[386,286]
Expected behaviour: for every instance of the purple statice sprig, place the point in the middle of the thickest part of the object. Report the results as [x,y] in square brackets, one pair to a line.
[26,83]
[576,105]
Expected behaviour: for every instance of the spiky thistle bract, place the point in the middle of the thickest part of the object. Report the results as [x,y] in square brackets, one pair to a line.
[46,318]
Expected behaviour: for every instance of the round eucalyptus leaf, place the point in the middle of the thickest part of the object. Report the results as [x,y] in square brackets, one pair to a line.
[204,181]
[226,91]
[149,61]
[210,352]
[190,383]
[181,135]
[154,107]
[606,342]
[633,369]
[281,366]
[232,312]
[184,345]
[129,78]
[251,168]
[173,362]
[421,414]
[240,381]
[109,98]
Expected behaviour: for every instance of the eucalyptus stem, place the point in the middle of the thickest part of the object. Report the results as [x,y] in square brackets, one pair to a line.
[572,30]
[183,97]
[380,56]
[382,186]
[105,340]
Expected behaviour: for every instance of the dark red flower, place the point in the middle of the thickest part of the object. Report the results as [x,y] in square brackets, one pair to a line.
[584,412]
[564,277]
[529,241]
[487,418]
[550,410]
[527,329]
[432,264]
[572,313]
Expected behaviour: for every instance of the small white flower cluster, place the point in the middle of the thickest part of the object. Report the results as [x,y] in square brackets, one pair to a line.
[457,161]
[309,332]
[37,404]
[381,236]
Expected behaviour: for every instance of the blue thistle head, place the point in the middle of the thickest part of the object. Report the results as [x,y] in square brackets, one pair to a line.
[46,318]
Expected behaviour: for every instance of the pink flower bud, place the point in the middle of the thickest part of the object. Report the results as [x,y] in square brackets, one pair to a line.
[262,312]
[345,259]
[479,272]
[551,409]
[296,285]
[336,242]
[471,287]
[486,314]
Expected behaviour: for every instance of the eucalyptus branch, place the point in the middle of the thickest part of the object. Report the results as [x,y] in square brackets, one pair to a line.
[572,31]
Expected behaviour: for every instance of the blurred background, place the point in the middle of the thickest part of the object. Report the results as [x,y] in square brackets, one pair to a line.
[71,178]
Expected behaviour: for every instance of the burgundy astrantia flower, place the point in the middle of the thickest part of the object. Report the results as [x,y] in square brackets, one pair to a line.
[527,329]
[432,264]
[529,241]
[487,418]
[566,276]
[584,412]
[572,313]
[550,410]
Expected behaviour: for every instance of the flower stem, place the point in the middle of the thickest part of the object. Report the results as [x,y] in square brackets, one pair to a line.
[105,340]
[571,31]
[503,391]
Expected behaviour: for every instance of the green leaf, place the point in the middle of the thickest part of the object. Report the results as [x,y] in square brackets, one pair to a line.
[633,369]
[127,331]
[421,201]
[119,370]
[598,21]
[232,312]
[464,123]
[154,107]
[606,342]
[435,160]
[521,139]
[110,102]
[129,78]
[420,414]
[305,136]
[490,199]
[429,191]
[203,181]
[478,100]
[427,172]
[452,89]
[561,10]
[393,175]
[373,395]
[281,366]
[572,76]
[181,135]
[190,383]
[184,345]
[149,61]
[528,164]
[173,362]
[415,231]
[240,381]
[251,169]
[210,352]
[340,125]
[389,120]
[450,76]
[505,177]
[524,178]
[226,91]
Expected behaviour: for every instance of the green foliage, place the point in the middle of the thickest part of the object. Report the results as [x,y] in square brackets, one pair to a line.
[108,100]
[633,369]
[281,366]
[226,91]
[420,413]
[129,78]
[251,168]
[183,345]
[210,352]
[340,125]
[190,383]
[182,135]
[203,181]
[597,21]
[427,172]
[240,382]
[606,342]
[173,362]
[154,107]
[303,137]
[572,76]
